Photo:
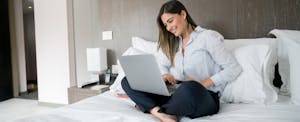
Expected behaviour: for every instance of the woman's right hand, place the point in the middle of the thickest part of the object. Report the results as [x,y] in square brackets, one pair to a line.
[169,78]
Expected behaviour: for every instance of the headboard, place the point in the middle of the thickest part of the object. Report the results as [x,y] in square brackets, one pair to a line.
[245,18]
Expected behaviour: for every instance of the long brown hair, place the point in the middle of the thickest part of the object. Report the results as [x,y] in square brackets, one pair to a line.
[167,41]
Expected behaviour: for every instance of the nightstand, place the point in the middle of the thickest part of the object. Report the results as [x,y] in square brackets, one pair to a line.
[76,94]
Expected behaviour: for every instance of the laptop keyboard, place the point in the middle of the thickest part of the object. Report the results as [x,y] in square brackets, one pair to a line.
[171,88]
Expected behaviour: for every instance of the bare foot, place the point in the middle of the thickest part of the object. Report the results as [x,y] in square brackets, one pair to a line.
[168,118]
[163,116]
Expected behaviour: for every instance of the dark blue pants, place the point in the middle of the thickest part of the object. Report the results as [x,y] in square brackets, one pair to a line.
[191,99]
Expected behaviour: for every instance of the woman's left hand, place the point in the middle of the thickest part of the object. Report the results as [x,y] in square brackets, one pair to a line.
[206,82]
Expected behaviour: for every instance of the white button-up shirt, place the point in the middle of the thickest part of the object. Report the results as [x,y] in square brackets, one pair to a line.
[204,57]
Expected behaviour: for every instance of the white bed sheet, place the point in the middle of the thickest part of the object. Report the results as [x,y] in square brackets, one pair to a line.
[108,108]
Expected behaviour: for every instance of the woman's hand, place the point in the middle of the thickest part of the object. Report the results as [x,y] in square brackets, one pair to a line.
[169,78]
[206,82]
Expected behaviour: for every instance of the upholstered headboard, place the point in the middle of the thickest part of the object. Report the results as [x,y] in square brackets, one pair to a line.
[245,18]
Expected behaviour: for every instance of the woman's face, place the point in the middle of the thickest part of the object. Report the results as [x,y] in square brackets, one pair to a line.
[174,23]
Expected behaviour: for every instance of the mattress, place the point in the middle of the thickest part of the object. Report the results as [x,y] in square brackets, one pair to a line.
[107,107]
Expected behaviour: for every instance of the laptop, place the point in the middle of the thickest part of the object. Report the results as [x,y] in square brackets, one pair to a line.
[143,74]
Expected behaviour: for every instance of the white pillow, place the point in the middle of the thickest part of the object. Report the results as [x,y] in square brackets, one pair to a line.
[144,45]
[290,40]
[116,87]
[294,61]
[283,63]
[269,64]
[249,87]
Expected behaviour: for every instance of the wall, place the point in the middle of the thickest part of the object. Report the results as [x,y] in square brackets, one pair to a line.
[127,18]
[84,33]
[52,50]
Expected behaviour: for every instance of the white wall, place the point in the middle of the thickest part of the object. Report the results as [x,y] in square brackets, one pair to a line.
[52,50]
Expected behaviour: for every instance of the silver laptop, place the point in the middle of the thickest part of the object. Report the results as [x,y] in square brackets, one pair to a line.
[143,74]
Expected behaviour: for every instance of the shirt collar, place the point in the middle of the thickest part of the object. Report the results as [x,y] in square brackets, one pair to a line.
[193,35]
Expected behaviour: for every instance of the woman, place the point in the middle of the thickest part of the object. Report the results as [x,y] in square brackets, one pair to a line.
[190,54]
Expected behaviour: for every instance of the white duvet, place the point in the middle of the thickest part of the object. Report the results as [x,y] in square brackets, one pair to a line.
[108,108]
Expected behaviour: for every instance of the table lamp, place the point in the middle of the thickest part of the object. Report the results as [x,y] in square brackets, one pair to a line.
[96,63]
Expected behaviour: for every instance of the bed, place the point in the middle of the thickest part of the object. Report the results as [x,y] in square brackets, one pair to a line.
[260,101]
[109,108]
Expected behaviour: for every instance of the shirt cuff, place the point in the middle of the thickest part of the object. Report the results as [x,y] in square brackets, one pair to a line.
[217,80]
[164,71]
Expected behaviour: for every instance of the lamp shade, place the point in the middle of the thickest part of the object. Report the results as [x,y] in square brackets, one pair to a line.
[96,59]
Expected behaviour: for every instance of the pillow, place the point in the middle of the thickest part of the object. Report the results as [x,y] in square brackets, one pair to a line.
[249,86]
[269,64]
[283,63]
[116,87]
[294,61]
[143,45]
[290,40]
